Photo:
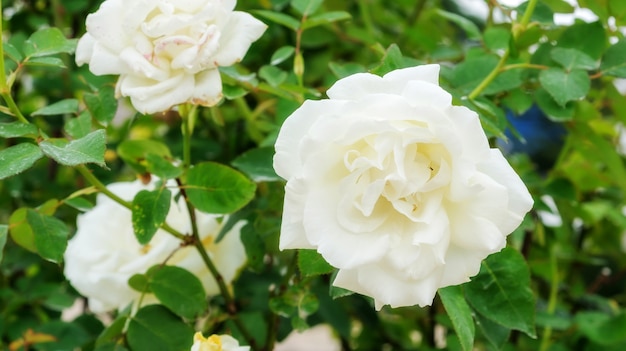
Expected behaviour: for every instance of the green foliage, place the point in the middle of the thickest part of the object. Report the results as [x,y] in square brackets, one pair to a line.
[155,328]
[88,149]
[555,287]
[149,210]
[18,158]
[179,290]
[460,314]
[215,188]
[501,291]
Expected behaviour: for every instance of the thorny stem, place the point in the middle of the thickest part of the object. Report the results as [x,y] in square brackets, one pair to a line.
[517,29]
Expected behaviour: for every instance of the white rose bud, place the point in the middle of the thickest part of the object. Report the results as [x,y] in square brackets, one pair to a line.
[104,253]
[167,51]
[216,343]
[395,186]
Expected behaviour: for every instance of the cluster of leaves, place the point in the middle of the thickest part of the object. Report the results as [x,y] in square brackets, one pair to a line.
[556,287]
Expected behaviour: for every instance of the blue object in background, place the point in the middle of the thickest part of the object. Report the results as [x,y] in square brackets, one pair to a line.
[542,138]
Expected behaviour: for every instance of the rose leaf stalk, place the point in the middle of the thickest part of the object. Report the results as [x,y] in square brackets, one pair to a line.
[516,30]
[103,189]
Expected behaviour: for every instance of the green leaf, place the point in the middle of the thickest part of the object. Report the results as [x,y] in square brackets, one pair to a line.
[460,314]
[279,18]
[552,109]
[542,13]
[111,336]
[69,336]
[48,41]
[78,127]
[17,129]
[254,246]
[282,54]
[179,290]
[306,7]
[140,283]
[295,302]
[154,327]
[88,149]
[573,59]
[50,235]
[216,188]
[472,31]
[565,86]
[495,333]
[344,70]
[602,328]
[20,230]
[149,210]
[312,263]
[471,72]
[614,62]
[257,164]
[79,203]
[325,18]
[589,38]
[392,60]
[595,147]
[162,168]
[135,152]
[501,291]
[4,231]
[232,92]
[102,105]
[12,52]
[58,108]
[18,158]
[45,62]
[273,75]
[497,38]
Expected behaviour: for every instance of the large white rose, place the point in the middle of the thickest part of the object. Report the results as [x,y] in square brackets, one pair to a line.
[396,187]
[216,343]
[167,51]
[104,253]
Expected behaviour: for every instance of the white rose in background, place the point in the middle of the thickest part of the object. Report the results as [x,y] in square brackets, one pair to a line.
[396,187]
[216,343]
[167,51]
[104,253]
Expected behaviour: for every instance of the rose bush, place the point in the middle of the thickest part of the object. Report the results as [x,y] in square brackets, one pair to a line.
[166,52]
[216,343]
[104,253]
[395,186]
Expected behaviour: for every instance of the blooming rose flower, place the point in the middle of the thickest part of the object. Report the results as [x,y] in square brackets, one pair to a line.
[104,253]
[216,343]
[167,51]
[395,186]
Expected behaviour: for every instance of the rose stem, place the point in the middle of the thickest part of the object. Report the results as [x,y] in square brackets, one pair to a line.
[187,112]
[103,189]
[516,28]
[5,90]
[272,330]
[552,299]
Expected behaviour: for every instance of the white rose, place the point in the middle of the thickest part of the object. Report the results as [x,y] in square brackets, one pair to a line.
[167,51]
[396,187]
[104,253]
[216,343]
